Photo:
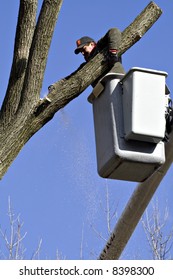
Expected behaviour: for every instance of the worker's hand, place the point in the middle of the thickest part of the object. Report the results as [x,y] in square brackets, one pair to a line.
[112,57]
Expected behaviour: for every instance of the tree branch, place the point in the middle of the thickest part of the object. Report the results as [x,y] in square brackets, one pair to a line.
[24,35]
[39,52]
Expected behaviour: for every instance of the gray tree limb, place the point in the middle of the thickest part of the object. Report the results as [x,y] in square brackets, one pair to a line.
[24,35]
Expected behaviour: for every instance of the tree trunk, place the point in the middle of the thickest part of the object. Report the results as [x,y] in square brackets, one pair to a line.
[23,113]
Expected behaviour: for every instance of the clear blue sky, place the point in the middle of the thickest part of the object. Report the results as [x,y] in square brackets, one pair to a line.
[53,183]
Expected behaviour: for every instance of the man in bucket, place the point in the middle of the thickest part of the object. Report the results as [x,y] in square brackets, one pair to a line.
[89,48]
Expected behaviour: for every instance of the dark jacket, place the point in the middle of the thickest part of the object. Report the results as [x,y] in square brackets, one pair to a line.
[111,40]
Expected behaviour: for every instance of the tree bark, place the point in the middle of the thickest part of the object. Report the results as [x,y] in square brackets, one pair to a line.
[23,113]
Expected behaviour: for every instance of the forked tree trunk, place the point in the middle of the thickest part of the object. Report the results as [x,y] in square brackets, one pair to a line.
[23,113]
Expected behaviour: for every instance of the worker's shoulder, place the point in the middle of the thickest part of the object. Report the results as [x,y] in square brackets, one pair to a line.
[111,33]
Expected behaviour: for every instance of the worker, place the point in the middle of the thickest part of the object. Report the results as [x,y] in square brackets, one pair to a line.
[89,48]
[112,40]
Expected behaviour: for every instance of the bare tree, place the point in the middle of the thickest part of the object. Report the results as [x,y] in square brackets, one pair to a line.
[110,212]
[154,225]
[23,113]
[154,222]
[14,237]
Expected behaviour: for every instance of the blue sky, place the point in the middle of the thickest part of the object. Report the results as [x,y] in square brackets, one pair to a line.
[53,183]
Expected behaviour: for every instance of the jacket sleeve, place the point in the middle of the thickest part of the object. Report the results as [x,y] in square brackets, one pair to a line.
[112,39]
